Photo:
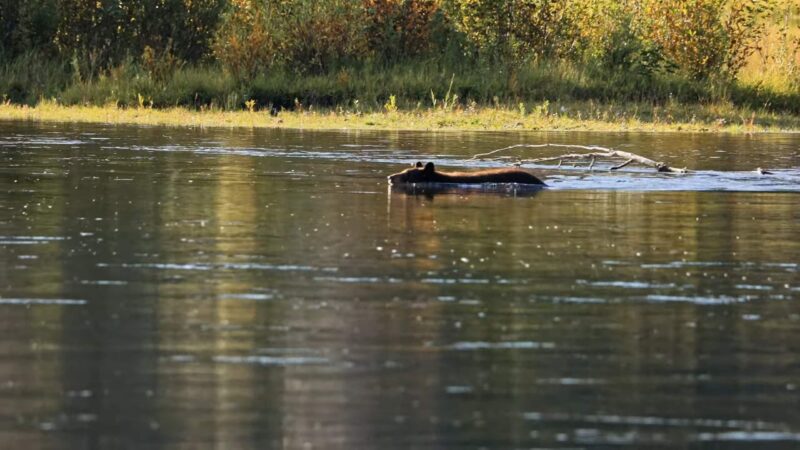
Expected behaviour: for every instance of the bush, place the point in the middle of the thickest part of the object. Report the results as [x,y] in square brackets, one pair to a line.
[399,29]
[27,26]
[101,34]
[31,76]
[124,86]
[519,29]
[197,87]
[323,35]
[245,45]
[705,38]
[302,35]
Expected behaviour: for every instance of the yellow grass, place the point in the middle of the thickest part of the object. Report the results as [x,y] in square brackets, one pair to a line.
[584,116]
[775,65]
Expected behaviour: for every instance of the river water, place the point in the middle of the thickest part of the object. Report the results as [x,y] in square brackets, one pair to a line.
[180,288]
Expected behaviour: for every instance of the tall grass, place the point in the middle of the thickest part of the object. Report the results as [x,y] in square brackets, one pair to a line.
[32,76]
[587,90]
[415,84]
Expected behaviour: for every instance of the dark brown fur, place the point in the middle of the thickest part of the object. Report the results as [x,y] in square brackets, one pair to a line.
[428,174]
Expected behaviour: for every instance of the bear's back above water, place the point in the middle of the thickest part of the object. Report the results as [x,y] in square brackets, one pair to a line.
[428,174]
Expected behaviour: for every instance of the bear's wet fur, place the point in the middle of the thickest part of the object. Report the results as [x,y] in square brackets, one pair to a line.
[428,174]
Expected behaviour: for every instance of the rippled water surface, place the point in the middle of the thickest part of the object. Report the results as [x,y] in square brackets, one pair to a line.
[176,288]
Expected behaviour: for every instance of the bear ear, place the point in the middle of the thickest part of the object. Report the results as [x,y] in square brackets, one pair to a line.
[418,164]
[429,167]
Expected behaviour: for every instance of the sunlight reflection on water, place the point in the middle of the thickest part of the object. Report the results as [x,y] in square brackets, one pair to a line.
[188,288]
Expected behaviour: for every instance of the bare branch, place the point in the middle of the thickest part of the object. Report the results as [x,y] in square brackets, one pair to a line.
[566,156]
[620,166]
[590,152]
[510,147]
[593,153]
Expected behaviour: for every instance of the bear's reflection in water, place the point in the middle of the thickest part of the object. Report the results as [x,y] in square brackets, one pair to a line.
[430,190]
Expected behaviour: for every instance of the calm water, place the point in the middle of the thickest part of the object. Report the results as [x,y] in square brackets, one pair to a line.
[164,288]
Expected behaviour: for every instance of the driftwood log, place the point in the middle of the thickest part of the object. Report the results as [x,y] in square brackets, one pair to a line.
[592,153]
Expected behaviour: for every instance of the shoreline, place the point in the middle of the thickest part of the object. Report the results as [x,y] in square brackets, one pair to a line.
[434,120]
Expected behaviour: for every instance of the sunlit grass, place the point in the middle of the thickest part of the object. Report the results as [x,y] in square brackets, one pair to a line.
[775,65]
[567,116]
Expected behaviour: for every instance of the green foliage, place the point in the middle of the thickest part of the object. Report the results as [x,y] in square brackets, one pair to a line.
[705,38]
[781,50]
[103,33]
[183,28]
[245,45]
[448,54]
[536,85]
[520,29]
[27,26]
[399,29]
[322,35]
[251,37]
[120,86]
[303,35]
[199,88]
[623,50]
[391,105]
[30,77]
[128,85]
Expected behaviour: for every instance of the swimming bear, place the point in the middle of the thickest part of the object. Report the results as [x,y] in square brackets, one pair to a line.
[428,174]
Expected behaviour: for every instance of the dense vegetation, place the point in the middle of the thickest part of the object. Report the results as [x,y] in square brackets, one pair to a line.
[385,54]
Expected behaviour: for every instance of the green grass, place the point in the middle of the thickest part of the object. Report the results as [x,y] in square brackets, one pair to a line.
[548,95]
[557,116]
[30,77]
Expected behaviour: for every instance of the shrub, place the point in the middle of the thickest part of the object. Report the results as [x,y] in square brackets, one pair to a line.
[303,35]
[322,35]
[244,44]
[122,85]
[519,29]
[27,26]
[181,28]
[400,29]
[103,33]
[705,38]
[31,76]
[196,87]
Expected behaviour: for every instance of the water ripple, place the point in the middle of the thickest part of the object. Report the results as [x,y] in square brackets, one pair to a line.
[749,436]
[509,345]
[29,240]
[700,300]
[260,360]
[781,180]
[222,266]
[612,419]
[627,284]
[41,301]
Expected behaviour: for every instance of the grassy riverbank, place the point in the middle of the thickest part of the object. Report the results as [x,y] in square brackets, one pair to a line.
[421,95]
[544,116]
[677,65]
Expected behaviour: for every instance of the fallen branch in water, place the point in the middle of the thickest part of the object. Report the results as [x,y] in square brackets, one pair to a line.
[592,153]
